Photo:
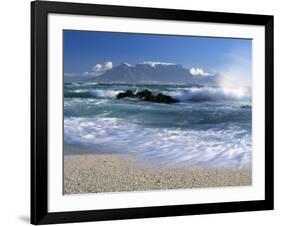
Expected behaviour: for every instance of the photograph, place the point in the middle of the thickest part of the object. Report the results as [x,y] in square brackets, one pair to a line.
[155,111]
[140,112]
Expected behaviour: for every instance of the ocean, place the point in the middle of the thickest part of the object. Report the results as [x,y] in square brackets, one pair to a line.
[209,127]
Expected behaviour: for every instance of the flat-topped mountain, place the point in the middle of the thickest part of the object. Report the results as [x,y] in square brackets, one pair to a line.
[148,73]
[153,73]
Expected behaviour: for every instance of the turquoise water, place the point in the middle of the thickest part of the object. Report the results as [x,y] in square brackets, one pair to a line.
[209,127]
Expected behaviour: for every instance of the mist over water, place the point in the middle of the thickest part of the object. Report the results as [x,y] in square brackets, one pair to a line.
[209,127]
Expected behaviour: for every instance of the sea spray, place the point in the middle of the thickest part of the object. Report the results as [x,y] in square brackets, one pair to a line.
[209,126]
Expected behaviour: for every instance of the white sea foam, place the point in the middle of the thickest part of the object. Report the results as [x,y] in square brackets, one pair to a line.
[105,93]
[80,91]
[95,93]
[211,94]
[229,147]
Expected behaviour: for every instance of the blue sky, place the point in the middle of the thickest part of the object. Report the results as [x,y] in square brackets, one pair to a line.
[84,50]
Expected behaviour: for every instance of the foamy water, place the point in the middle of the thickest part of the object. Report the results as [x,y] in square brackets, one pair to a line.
[208,128]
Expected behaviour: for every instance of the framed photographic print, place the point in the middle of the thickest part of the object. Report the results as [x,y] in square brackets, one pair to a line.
[145,112]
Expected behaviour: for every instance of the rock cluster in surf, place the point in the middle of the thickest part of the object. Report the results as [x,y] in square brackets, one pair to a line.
[147,95]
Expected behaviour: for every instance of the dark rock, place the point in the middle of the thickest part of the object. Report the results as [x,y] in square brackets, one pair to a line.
[147,95]
[246,106]
[165,99]
[128,93]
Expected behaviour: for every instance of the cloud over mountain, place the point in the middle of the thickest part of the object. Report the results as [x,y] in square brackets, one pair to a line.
[154,72]
[153,63]
[198,71]
[146,72]
[99,69]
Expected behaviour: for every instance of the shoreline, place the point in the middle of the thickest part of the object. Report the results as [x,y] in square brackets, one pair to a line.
[93,173]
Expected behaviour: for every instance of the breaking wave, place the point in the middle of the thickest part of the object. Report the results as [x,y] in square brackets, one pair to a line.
[211,94]
[191,94]
[95,93]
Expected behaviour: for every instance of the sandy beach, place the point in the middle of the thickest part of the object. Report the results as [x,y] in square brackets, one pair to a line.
[90,173]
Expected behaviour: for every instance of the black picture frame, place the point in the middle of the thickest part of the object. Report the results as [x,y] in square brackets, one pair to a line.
[39,112]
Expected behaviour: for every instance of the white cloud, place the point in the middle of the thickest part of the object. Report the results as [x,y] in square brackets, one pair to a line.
[128,65]
[97,68]
[198,71]
[153,64]
[108,65]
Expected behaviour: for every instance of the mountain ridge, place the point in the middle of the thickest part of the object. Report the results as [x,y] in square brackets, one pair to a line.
[153,72]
